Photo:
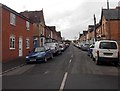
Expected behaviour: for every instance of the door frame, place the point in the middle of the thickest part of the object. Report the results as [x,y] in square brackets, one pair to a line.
[20,47]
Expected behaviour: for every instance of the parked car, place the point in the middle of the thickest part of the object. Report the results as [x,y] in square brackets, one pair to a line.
[85,47]
[62,47]
[39,54]
[67,45]
[80,45]
[54,47]
[106,50]
[90,49]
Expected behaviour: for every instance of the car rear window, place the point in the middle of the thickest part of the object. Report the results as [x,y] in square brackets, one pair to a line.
[108,45]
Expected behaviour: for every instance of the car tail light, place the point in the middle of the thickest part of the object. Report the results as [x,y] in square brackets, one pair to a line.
[97,53]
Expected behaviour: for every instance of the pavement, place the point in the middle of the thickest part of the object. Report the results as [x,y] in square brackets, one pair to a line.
[13,63]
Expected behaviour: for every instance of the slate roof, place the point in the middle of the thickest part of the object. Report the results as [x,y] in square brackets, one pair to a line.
[34,16]
[52,28]
[85,32]
[90,28]
[112,14]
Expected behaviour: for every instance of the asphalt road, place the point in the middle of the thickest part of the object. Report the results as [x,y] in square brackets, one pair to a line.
[71,70]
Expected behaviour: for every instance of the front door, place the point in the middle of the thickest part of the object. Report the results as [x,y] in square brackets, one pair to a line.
[20,47]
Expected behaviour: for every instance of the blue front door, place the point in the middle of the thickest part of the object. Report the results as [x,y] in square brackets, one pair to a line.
[35,43]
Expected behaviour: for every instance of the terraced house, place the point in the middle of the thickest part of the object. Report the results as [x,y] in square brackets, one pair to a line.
[16,34]
[110,24]
[37,17]
[107,28]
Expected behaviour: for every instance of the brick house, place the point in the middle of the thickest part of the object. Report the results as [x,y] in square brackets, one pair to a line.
[98,31]
[48,34]
[52,35]
[91,34]
[83,37]
[110,19]
[37,17]
[59,38]
[16,34]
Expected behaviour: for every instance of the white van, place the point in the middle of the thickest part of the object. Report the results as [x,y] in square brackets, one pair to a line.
[106,50]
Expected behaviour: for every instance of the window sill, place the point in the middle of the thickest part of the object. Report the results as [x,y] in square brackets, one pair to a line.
[12,48]
[28,29]
[12,24]
[27,48]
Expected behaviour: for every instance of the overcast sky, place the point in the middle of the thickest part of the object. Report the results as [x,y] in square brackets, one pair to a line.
[69,16]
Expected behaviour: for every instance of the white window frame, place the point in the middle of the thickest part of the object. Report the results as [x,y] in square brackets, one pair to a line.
[12,19]
[27,25]
[27,43]
[12,42]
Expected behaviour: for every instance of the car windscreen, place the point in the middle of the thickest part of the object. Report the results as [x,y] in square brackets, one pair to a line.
[40,49]
[50,44]
[108,45]
[86,45]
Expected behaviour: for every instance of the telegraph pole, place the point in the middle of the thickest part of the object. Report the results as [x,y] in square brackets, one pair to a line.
[95,39]
[109,31]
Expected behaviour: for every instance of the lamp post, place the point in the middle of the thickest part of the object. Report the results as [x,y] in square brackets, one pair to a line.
[94,28]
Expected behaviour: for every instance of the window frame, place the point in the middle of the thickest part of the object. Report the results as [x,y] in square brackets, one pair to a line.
[12,43]
[27,25]
[27,43]
[12,19]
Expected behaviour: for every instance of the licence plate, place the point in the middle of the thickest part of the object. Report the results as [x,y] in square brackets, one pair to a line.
[32,59]
[109,54]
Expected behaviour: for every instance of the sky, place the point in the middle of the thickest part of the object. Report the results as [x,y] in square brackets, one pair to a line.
[70,17]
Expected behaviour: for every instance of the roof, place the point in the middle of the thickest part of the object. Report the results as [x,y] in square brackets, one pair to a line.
[112,14]
[52,28]
[90,28]
[85,32]
[34,16]
[14,12]
[59,34]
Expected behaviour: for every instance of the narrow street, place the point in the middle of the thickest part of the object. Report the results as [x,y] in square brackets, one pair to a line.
[71,70]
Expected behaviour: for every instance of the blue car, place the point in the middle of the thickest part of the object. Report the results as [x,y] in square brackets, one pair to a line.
[90,49]
[39,54]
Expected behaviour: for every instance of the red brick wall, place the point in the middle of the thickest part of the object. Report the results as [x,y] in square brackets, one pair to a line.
[0,32]
[18,30]
[114,30]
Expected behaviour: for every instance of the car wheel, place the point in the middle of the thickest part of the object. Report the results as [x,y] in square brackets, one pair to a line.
[97,61]
[93,58]
[90,55]
[51,56]
[116,63]
[45,60]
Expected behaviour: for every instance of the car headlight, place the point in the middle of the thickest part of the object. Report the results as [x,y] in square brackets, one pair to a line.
[27,57]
